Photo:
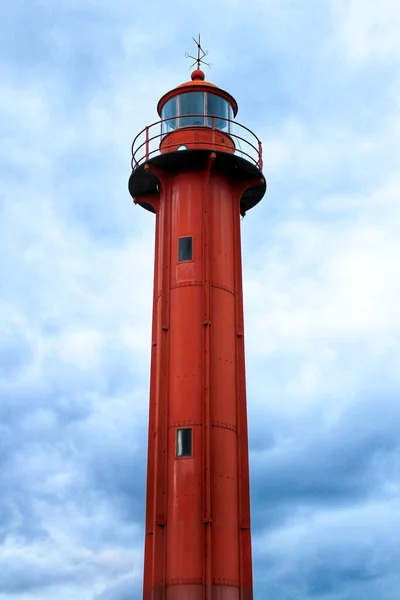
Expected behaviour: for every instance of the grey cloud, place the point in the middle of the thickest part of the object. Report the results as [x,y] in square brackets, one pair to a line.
[18,517]
[22,575]
[325,567]
[118,467]
[327,580]
[322,499]
[15,353]
[129,588]
[46,431]
[316,464]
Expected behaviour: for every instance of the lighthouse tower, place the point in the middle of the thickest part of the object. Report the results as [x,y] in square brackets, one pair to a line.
[198,171]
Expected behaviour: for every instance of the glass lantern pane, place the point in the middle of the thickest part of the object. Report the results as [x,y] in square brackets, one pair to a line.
[219,108]
[168,111]
[191,104]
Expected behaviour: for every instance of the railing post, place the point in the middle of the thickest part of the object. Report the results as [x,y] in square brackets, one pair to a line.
[260,160]
[213,128]
[147,143]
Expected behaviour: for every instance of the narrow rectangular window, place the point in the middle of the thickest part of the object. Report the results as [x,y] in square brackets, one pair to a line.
[185,248]
[183,442]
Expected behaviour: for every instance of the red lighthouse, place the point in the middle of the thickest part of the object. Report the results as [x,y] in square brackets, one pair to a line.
[198,170]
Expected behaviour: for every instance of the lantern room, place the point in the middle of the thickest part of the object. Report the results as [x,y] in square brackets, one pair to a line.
[204,111]
[196,118]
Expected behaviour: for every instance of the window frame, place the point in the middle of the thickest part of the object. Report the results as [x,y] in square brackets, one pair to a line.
[183,456]
[185,260]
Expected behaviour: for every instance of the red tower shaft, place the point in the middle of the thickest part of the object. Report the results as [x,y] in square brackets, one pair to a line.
[197,540]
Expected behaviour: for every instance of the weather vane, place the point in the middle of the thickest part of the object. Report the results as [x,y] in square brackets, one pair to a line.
[200,55]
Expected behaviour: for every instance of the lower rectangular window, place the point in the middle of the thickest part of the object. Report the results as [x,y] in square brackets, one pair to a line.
[183,442]
[185,250]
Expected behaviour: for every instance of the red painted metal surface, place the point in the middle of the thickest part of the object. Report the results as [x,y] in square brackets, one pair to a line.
[197,542]
[197,138]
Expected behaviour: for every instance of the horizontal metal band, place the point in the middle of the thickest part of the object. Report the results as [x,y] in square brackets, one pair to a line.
[187,283]
[192,283]
[225,582]
[180,423]
[223,287]
[224,425]
[184,580]
[197,580]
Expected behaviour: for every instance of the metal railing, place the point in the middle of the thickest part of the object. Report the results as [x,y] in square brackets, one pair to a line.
[147,143]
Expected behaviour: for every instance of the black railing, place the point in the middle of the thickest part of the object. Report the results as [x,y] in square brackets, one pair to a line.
[145,145]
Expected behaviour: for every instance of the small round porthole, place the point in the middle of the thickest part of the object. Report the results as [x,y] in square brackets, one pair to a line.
[182,147]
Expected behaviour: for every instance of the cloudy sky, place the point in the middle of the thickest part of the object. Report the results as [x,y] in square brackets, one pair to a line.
[319,81]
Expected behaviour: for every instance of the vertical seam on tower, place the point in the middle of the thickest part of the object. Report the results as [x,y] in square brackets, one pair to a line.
[166,328]
[161,472]
[244,489]
[148,566]
[237,283]
[207,408]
